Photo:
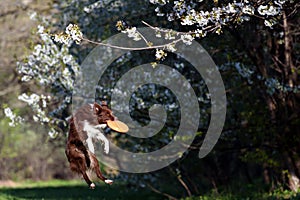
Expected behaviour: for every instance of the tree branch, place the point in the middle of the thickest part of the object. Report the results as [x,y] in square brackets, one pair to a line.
[162,193]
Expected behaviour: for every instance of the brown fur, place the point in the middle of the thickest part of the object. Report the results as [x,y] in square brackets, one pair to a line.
[80,158]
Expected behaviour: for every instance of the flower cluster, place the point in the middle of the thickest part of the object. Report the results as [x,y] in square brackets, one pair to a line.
[34,102]
[72,33]
[50,66]
[160,54]
[13,117]
[271,9]
[244,71]
[268,10]
[170,35]
[132,33]
[212,21]
[187,39]
[47,63]
[92,7]
[273,85]
[160,2]
[171,47]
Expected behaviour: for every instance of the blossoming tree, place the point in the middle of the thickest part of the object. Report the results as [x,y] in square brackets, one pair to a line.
[266,55]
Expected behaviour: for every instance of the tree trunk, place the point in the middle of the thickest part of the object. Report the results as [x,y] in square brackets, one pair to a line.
[293,172]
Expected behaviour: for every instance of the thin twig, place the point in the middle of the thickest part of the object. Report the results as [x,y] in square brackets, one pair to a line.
[141,35]
[178,32]
[162,193]
[185,186]
[181,182]
[132,48]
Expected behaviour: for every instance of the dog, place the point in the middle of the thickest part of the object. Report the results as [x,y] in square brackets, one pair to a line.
[85,127]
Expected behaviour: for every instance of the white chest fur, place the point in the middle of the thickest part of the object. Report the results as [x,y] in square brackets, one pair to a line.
[95,132]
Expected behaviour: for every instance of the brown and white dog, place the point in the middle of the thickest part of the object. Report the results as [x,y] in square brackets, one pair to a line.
[86,127]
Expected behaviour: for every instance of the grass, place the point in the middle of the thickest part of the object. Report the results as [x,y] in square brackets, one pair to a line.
[64,190]
[58,189]
[248,194]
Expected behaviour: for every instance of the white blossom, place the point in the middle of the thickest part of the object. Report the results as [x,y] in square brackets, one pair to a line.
[248,10]
[187,20]
[161,2]
[160,54]
[35,118]
[200,33]
[219,30]
[30,100]
[8,113]
[26,78]
[92,7]
[33,15]
[280,2]
[269,23]
[171,47]
[230,8]
[41,29]
[187,39]
[132,33]
[15,120]
[170,35]
[61,38]
[34,101]
[202,18]
[218,17]
[74,32]
[53,133]
[158,34]
[268,10]
[68,99]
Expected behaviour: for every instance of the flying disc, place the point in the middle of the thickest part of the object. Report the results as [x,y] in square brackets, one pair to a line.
[118,126]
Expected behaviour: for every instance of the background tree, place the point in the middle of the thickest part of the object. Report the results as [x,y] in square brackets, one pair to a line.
[255,46]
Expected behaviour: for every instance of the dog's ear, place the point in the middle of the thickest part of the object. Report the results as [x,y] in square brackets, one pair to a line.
[97,108]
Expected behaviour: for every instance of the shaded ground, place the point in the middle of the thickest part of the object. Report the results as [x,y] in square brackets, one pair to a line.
[76,191]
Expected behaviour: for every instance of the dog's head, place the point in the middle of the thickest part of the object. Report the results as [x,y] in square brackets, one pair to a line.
[103,113]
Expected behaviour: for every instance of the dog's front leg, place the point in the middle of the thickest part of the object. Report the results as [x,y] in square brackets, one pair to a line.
[100,136]
[90,144]
[105,141]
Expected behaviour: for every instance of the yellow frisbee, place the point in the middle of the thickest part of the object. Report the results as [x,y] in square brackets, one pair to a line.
[118,126]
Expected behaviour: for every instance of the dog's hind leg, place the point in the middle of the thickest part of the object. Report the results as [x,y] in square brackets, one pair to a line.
[96,168]
[88,181]
[78,164]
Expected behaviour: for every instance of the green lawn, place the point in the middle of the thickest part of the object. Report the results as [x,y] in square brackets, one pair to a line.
[57,189]
[74,190]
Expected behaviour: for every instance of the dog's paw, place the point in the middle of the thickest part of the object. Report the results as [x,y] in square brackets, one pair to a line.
[92,186]
[106,148]
[107,181]
[102,126]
